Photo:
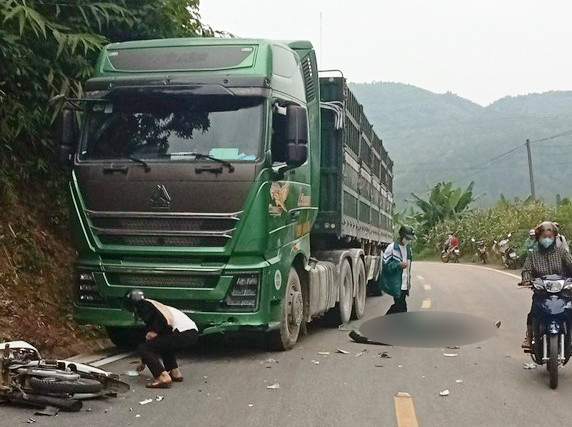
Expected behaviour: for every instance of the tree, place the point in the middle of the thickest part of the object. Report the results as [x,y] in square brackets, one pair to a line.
[445,202]
[49,48]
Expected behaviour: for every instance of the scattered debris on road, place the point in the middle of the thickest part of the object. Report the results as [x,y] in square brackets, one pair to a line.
[385,355]
[49,411]
[450,354]
[529,366]
[159,398]
[315,362]
[361,352]
[270,360]
[379,366]
[132,373]
[273,386]
[444,393]
[498,324]
[324,353]
[250,405]
[339,350]
[30,420]
[459,381]
[454,347]
[146,401]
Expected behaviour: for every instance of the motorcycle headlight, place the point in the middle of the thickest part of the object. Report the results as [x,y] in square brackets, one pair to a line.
[554,285]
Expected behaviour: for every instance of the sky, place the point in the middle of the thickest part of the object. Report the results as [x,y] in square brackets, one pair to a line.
[481,50]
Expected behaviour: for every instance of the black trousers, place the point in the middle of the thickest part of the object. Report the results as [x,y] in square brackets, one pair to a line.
[163,347]
[399,303]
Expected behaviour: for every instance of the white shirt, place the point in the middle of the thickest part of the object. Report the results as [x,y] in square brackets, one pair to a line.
[405,273]
[181,321]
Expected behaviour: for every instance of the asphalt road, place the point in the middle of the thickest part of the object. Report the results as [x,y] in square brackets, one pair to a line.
[226,381]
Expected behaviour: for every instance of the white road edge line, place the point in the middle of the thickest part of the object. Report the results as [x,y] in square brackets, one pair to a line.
[486,268]
[111,359]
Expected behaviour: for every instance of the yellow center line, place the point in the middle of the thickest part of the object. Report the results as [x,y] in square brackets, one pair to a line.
[426,304]
[405,410]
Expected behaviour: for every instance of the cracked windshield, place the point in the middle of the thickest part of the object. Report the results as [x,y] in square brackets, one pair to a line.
[253,213]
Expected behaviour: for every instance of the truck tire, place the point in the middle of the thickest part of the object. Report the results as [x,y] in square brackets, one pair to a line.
[346,292]
[126,338]
[361,285]
[292,309]
[52,385]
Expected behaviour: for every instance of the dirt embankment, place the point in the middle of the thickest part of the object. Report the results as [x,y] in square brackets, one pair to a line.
[36,260]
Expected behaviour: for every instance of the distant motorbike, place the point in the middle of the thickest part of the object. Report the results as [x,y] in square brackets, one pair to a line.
[482,252]
[508,254]
[551,322]
[26,378]
[451,254]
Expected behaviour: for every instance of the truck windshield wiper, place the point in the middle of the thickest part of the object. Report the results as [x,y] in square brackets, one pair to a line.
[205,156]
[141,162]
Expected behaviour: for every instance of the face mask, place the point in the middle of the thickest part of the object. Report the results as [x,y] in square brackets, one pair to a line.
[546,241]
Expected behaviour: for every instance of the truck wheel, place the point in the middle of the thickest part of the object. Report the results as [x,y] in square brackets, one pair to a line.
[127,338]
[346,292]
[292,308]
[359,300]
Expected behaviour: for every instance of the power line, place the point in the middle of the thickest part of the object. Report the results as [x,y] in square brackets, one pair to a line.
[568,132]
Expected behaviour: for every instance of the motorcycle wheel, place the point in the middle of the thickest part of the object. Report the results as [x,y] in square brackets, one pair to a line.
[552,364]
[52,385]
[445,258]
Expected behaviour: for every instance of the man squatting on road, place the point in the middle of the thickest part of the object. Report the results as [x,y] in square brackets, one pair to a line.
[167,331]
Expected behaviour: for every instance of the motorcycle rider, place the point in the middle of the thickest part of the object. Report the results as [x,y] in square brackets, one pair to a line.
[450,243]
[560,239]
[548,259]
[395,276]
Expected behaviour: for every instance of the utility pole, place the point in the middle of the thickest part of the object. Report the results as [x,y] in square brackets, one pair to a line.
[532,192]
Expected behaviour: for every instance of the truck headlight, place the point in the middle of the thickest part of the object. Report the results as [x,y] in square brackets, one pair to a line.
[86,289]
[244,292]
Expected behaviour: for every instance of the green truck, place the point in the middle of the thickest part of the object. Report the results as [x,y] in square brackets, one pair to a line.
[226,178]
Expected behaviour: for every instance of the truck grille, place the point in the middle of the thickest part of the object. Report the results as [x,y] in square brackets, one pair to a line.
[163,280]
[163,229]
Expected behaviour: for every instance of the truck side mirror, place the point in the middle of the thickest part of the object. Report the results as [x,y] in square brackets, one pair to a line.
[296,135]
[67,137]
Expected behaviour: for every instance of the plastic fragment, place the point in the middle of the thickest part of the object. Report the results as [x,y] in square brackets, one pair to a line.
[273,386]
[132,373]
[454,347]
[498,324]
[315,362]
[250,405]
[30,420]
[385,355]
[400,366]
[146,401]
[444,393]
[159,398]
[361,352]
[137,416]
[459,381]
[529,366]
[339,350]
[379,366]
[450,354]
[49,411]
[324,353]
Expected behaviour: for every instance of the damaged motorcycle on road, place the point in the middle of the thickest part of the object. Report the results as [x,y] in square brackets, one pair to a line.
[28,379]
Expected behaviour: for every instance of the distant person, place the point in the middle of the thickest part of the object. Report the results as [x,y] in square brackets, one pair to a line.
[167,331]
[451,242]
[530,242]
[396,270]
[560,239]
[548,259]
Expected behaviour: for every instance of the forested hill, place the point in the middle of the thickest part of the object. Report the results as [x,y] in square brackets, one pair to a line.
[443,137]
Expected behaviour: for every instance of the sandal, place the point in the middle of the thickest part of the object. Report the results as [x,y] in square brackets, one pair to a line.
[159,384]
